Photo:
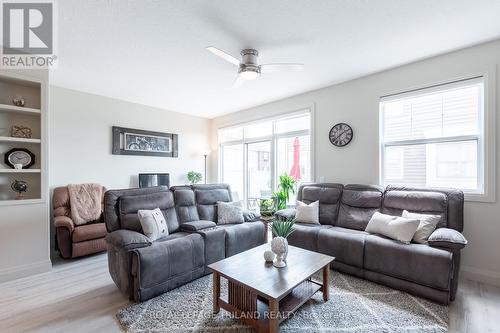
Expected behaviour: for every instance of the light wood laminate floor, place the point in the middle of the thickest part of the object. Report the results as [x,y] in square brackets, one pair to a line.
[79,296]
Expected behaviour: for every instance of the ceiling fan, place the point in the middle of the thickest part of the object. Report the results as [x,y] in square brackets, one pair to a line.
[248,67]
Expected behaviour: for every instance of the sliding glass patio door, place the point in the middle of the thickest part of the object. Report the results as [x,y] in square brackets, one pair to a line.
[252,156]
[258,172]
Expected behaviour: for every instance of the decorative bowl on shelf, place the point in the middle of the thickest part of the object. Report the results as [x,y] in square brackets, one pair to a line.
[20,187]
[18,101]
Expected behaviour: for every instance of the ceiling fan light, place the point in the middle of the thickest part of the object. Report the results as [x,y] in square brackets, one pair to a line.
[249,75]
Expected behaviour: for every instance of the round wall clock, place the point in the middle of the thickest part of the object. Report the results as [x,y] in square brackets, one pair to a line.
[341,134]
[19,156]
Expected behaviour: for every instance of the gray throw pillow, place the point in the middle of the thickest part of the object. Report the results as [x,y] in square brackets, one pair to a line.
[153,223]
[229,213]
[447,238]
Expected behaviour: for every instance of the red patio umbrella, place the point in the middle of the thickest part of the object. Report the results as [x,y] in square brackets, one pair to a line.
[295,171]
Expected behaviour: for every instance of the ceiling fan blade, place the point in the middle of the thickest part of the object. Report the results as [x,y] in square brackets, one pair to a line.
[269,68]
[239,81]
[223,55]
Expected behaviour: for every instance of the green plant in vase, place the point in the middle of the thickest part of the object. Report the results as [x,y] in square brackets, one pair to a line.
[266,207]
[281,229]
[285,188]
[194,177]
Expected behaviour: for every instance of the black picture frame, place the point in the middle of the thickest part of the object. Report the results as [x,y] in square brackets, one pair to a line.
[131,141]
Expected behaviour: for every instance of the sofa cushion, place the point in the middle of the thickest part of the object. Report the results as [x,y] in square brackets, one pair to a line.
[286,214]
[129,205]
[243,236]
[305,235]
[346,245]
[358,204]
[417,263]
[197,225]
[174,255]
[111,204]
[455,203]
[207,197]
[88,231]
[170,237]
[186,205]
[423,202]
[329,199]
[127,239]
[251,216]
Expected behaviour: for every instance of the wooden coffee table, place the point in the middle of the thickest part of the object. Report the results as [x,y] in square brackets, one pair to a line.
[262,295]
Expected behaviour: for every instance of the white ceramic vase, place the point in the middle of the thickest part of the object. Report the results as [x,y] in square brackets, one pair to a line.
[279,245]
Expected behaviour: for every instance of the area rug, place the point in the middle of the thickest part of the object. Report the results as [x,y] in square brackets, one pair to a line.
[355,305]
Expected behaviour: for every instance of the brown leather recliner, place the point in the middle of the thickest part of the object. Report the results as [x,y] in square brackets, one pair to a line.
[76,240]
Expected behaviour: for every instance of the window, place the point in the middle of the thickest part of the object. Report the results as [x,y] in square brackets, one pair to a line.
[253,156]
[434,137]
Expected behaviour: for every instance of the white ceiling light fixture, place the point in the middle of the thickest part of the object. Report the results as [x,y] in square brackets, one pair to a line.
[248,67]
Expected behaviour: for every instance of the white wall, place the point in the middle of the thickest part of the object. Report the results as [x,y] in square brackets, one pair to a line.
[356,102]
[80,140]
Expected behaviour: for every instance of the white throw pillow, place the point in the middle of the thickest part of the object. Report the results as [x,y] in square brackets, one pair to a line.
[229,212]
[395,227]
[307,213]
[426,227]
[153,223]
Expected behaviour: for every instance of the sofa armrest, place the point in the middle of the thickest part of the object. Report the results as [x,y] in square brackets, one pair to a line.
[447,238]
[285,214]
[197,225]
[64,222]
[251,216]
[127,239]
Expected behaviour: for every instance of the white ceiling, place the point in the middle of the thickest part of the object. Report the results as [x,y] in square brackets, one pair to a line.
[153,52]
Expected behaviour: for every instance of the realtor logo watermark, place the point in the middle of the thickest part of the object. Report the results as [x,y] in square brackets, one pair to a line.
[28,32]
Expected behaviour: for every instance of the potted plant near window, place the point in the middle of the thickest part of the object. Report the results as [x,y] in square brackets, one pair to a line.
[194,177]
[281,229]
[285,188]
[267,207]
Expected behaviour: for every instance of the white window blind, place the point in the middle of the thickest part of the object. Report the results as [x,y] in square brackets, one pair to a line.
[434,137]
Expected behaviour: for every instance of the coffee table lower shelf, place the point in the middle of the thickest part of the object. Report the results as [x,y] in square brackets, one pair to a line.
[255,310]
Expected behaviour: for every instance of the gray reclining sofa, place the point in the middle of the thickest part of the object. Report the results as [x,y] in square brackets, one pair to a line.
[427,270]
[143,269]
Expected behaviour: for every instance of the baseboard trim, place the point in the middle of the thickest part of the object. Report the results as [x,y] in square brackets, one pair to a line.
[480,275]
[17,272]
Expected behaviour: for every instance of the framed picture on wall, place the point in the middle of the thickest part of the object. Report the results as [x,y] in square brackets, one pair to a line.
[129,141]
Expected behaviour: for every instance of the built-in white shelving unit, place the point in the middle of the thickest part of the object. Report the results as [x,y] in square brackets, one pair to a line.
[32,115]
[24,223]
